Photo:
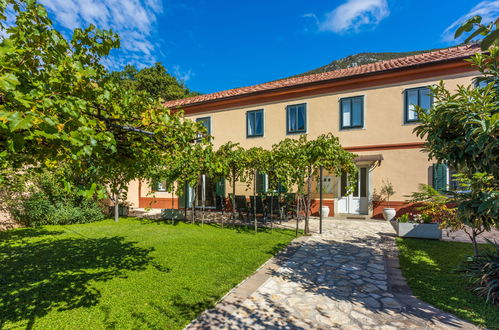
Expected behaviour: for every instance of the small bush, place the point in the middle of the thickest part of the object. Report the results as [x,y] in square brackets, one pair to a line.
[483,273]
[43,200]
[403,218]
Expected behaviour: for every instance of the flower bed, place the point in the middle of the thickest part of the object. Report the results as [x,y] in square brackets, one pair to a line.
[416,226]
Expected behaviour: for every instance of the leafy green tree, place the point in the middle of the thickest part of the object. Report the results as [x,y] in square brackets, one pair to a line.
[154,80]
[462,130]
[255,162]
[301,159]
[232,159]
[58,104]
[489,32]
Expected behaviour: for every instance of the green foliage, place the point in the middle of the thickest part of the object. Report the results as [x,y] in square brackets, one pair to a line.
[48,86]
[429,267]
[435,207]
[59,104]
[299,160]
[404,218]
[154,80]
[44,197]
[489,32]
[387,190]
[233,160]
[462,131]
[483,273]
[106,274]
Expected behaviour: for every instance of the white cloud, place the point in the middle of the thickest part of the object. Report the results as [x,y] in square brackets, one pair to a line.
[353,14]
[182,75]
[489,10]
[133,20]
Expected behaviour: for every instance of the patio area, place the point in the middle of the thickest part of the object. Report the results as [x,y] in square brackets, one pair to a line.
[346,278]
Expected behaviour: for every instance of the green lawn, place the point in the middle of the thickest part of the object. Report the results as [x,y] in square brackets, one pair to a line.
[428,267]
[131,274]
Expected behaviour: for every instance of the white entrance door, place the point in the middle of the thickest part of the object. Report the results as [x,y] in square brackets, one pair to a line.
[356,202]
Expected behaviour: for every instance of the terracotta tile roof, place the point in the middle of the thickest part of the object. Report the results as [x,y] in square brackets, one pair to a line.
[442,55]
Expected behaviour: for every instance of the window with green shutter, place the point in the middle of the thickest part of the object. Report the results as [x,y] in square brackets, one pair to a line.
[220,187]
[440,177]
[261,182]
[159,186]
[185,199]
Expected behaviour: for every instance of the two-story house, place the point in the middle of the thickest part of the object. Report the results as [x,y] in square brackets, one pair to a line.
[369,107]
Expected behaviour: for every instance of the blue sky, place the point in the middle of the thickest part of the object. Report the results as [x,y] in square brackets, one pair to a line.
[216,45]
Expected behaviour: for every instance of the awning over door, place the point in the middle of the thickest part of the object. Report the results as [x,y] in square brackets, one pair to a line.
[369,159]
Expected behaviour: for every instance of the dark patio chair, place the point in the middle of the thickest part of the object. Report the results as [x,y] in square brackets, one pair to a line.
[289,206]
[260,209]
[272,206]
[241,206]
[220,204]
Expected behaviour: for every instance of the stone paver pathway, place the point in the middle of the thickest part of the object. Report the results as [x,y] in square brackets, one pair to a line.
[334,280]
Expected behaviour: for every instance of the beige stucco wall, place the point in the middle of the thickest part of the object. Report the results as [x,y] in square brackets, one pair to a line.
[383,117]
[383,124]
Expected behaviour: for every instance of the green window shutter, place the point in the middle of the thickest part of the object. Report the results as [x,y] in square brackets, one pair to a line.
[185,197]
[260,183]
[440,177]
[155,186]
[220,187]
[282,188]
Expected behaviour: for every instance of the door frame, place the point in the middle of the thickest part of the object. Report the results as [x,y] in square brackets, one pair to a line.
[347,204]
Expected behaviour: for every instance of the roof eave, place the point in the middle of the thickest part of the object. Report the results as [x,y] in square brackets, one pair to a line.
[319,82]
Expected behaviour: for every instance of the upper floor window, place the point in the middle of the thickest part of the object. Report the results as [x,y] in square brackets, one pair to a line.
[420,96]
[159,186]
[206,122]
[481,82]
[296,118]
[352,112]
[254,123]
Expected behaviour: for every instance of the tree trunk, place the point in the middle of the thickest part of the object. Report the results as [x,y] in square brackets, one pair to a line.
[233,195]
[173,205]
[297,200]
[254,202]
[474,235]
[117,205]
[307,204]
[116,210]
[203,197]
[194,201]
[271,212]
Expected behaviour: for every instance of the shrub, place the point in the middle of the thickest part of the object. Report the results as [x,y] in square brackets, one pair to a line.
[483,273]
[403,218]
[434,207]
[43,200]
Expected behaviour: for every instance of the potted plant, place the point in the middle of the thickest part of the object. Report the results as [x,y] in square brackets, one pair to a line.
[387,192]
[325,211]
[417,226]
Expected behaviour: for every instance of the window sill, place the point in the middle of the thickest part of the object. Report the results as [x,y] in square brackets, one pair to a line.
[352,128]
[297,132]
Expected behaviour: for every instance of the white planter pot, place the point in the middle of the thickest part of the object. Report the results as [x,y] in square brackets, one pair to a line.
[389,213]
[325,211]
[418,230]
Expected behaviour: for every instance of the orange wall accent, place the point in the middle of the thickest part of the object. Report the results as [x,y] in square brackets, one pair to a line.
[158,203]
[316,204]
[400,207]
